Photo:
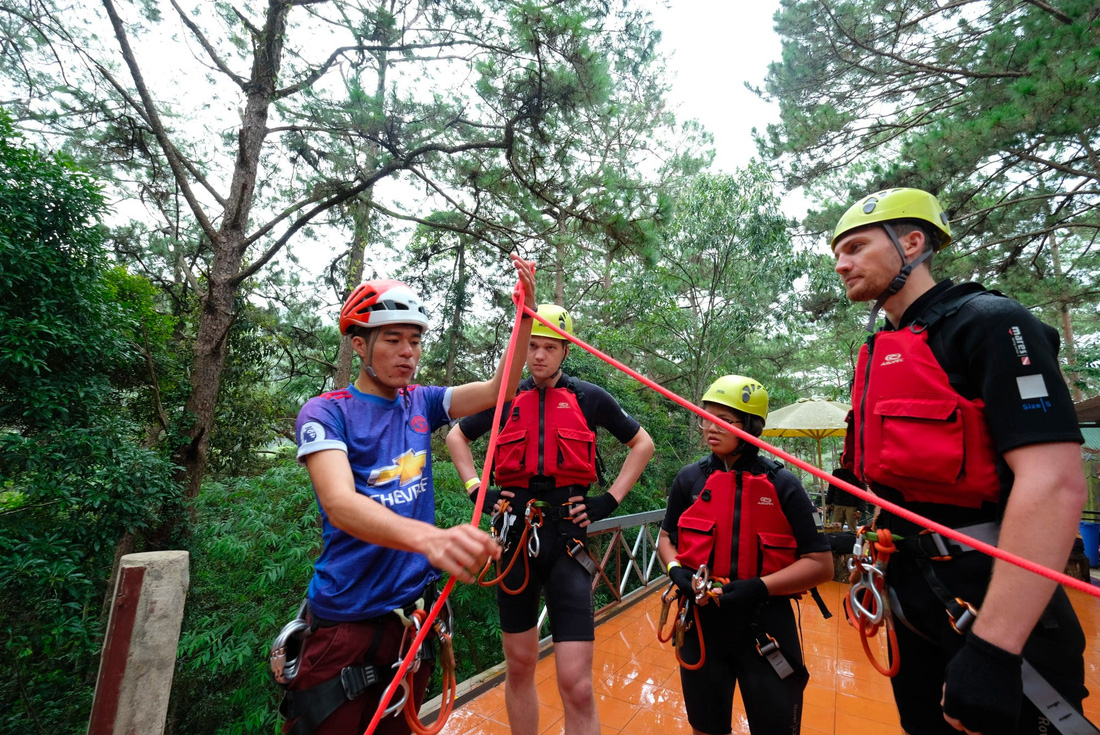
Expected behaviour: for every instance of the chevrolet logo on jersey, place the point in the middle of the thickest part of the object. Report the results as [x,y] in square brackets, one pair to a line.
[409,466]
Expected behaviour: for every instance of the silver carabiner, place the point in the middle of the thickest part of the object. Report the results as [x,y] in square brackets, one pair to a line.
[505,528]
[398,706]
[869,573]
[700,583]
[533,543]
[284,670]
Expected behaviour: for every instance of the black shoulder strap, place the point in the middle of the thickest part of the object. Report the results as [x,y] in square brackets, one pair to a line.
[947,308]
[705,468]
[771,466]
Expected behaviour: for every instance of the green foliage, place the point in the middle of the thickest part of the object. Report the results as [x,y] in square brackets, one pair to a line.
[76,480]
[60,336]
[72,495]
[252,552]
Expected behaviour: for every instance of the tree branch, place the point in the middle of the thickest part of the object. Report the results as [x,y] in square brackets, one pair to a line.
[155,123]
[1052,10]
[197,33]
[917,64]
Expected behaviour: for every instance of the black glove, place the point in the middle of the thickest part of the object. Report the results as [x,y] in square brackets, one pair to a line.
[491,498]
[983,688]
[681,577]
[600,506]
[743,594]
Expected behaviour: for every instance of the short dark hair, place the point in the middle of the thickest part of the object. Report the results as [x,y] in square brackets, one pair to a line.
[933,239]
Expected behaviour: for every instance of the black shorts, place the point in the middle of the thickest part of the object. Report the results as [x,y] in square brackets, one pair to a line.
[1055,648]
[772,705]
[567,584]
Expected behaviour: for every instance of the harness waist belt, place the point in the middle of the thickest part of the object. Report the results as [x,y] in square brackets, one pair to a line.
[933,545]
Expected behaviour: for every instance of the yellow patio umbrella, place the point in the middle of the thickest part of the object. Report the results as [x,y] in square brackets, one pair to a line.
[814,418]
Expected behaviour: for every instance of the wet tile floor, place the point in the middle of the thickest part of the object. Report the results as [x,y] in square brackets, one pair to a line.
[638,685]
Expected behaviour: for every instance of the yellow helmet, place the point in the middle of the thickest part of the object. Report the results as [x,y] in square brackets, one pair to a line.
[552,313]
[894,204]
[739,393]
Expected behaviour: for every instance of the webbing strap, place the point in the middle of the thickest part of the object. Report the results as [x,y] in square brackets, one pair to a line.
[825,613]
[314,705]
[769,649]
[1053,705]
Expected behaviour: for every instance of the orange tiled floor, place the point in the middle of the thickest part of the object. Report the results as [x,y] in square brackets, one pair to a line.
[638,686]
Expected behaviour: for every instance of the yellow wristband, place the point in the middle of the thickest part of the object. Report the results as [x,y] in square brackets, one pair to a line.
[472,482]
[672,564]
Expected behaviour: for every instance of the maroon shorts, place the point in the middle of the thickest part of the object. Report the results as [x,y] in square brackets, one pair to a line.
[329,649]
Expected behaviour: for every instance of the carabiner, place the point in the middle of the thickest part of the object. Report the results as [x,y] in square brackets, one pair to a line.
[509,518]
[393,709]
[533,518]
[700,583]
[871,578]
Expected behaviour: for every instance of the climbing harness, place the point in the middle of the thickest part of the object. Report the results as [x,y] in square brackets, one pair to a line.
[536,513]
[527,546]
[927,547]
[310,707]
[867,605]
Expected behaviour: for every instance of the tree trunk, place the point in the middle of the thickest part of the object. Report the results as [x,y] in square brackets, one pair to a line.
[1067,323]
[456,315]
[219,302]
[362,215]
[559,262]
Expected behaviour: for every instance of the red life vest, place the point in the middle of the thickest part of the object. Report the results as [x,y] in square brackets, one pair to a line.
[915,433]
[546,434]
[736,505]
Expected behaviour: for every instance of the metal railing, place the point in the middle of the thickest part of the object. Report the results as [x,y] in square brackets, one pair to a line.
[624,563]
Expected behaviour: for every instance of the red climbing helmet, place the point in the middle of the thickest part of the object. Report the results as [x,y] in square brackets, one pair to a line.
[383,301]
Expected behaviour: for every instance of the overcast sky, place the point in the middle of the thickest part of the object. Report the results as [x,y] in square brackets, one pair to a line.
[715,47]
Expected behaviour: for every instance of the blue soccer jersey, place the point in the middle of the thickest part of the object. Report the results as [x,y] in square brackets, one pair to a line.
[388,444]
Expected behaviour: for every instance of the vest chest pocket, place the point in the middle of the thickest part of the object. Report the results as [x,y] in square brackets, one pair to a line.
[695,540]
[777,551]
[922,438]
[576,451]
[511,448]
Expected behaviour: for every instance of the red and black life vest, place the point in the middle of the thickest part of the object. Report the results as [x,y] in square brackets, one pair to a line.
[742,506]
[912,430]
[546,434]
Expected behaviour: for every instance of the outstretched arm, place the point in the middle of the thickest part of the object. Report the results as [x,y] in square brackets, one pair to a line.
[473,397]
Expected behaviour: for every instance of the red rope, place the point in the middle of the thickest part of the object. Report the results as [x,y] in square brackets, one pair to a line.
[897,510]
[518,297]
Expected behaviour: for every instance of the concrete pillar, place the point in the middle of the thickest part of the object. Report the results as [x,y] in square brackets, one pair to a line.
[139,650]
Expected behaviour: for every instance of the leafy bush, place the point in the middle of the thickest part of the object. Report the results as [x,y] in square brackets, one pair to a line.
[252,553]
[76,480]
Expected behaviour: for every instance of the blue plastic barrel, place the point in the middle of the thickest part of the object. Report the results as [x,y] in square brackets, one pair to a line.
[1090,534]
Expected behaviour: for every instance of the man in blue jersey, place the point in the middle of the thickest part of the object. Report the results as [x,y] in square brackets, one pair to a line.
[368,451]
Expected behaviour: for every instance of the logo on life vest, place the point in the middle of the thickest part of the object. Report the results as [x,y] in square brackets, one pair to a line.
[563,404]
[764,500]
[893,358]
[419,424]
